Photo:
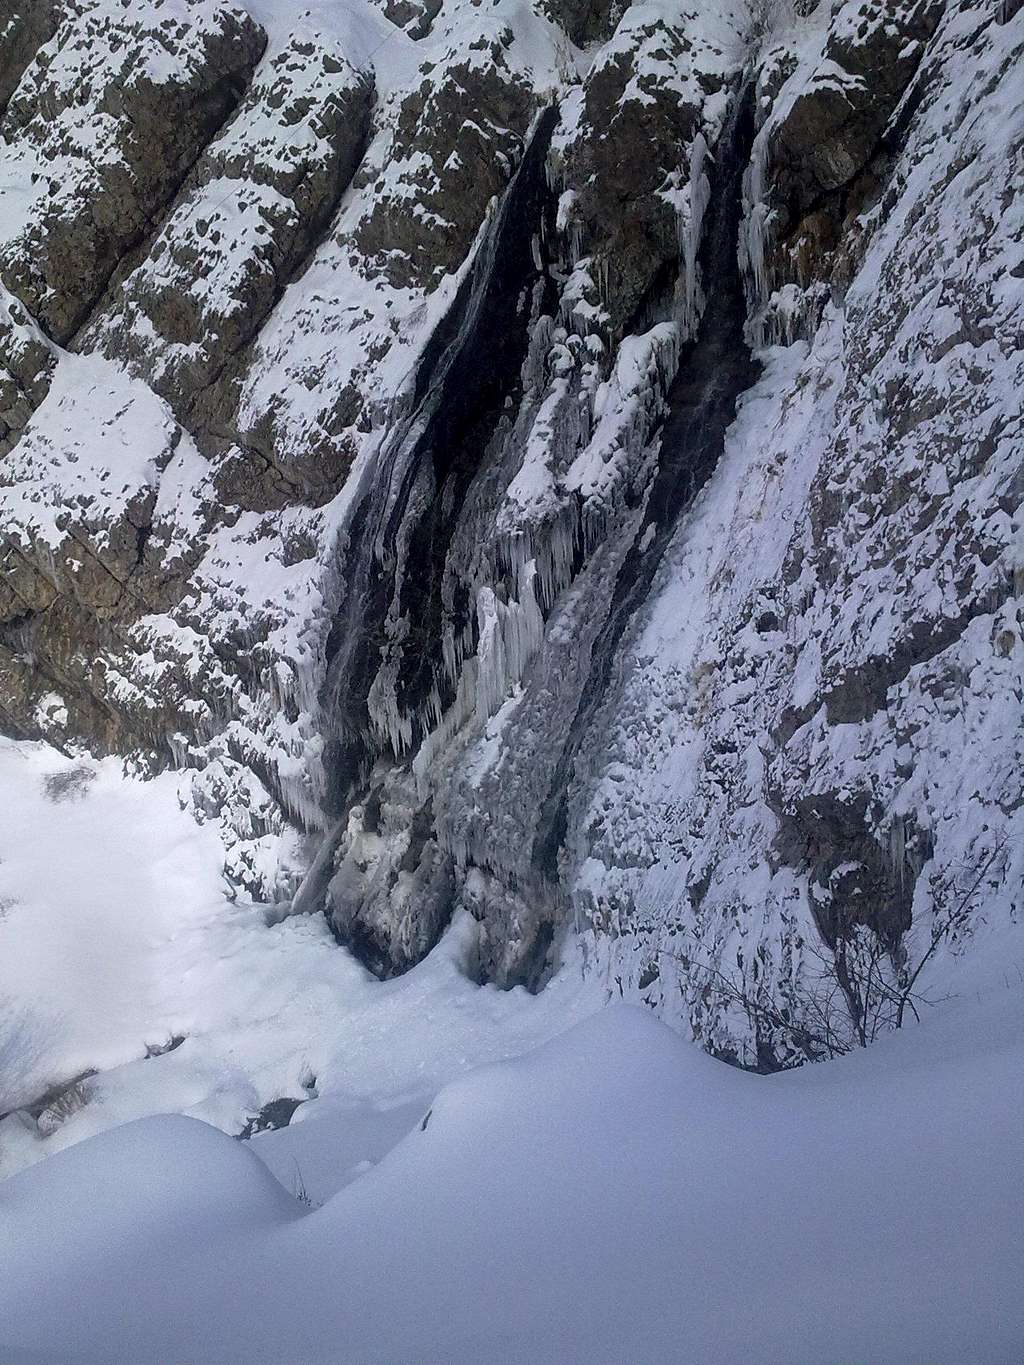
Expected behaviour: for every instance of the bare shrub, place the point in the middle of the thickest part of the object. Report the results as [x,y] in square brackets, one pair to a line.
[299,1190]
[858,987]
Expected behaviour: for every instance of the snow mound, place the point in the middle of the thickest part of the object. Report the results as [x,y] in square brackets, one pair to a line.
[616,1195]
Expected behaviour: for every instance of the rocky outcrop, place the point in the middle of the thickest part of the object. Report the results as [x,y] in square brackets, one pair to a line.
[103,126]
[24,30]
[580,489]
[826,149]
[250,212]
[26,364]
[457,135]
[444,141]
[586,21]
[629,157]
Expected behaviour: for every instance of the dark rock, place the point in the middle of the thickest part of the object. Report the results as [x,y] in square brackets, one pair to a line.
[274,1114]
[27,26]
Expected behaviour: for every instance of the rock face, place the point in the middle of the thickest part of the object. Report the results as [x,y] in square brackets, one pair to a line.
[100,130]
[253,206]
[28,361]
[581,488]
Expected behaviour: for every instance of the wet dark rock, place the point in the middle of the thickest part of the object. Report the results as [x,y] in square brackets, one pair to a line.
[714,369]
[415,16]
[161,1049]
[829,154]
[274,1114]
[586,21]
[635,124]
[47,1111]
[26,366]
[856,876]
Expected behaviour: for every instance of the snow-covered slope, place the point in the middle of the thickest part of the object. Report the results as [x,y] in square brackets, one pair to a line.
[615,1196]
[563,460]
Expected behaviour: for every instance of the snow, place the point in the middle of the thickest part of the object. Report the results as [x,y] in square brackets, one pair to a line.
[345,307]
[616,1195]
[653,35]
[677,841]
[474,1175]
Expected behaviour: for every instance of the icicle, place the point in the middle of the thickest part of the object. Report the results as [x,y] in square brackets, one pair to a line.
[759,216]
[699,199]
[309,897]
[179,748]
[385,717]
[461,710]
[898,850]
[451,654]
[509,636]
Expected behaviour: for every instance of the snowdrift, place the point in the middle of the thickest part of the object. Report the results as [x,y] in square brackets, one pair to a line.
[616,1195]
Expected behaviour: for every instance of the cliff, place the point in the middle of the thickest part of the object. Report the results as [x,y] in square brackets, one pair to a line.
[559,461]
